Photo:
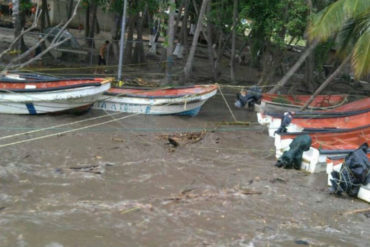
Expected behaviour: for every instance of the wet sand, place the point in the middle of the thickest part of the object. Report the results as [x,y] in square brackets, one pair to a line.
[122,184]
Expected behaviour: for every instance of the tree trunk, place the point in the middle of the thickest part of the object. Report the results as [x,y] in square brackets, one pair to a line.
[87,21]
[17,23]
[310,60]
[178,18]
[97,26]
[184,28]
[232,58]
[197,12]
[211,54]
[139,56]
[130,39]
[70,8]
[47,15]
[45,18]
[309,67]
[170,38]
[189,62]
[295,67]
[273,57]
[94,8]
[221,46]
[115,34]
[326,83]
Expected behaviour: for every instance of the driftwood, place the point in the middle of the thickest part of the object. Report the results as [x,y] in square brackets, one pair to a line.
[188,195]
[234,123]
[184,138]
[357,211]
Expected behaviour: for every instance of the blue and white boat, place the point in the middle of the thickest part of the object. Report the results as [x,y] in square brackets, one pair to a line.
[158,101]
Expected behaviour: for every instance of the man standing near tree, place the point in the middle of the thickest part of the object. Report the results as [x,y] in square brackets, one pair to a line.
[102,52]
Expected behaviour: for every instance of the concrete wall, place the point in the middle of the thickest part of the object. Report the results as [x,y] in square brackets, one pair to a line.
[58,10]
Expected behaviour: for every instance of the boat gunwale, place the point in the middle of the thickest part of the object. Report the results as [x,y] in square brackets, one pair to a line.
[323,132]
[4,80]
[207,89]
[319,115]
[337,104]
[39,90]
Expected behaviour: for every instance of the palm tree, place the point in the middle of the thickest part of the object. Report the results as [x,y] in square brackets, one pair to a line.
[350,21]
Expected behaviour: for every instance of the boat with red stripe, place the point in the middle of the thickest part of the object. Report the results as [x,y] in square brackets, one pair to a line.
[22,93]
[186,100]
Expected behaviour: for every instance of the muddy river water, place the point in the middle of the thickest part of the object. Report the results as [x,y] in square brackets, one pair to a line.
[123,184]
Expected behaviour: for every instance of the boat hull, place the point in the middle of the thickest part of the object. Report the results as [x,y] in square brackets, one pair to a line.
[315,124]
[183,105]
[324,145]
[283,103]
[50,101]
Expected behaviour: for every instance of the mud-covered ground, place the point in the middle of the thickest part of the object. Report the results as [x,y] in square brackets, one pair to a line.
[122,184]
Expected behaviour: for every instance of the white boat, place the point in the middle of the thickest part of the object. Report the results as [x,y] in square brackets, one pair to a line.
[333,143]
[162,101]
[32,94]
[351,115]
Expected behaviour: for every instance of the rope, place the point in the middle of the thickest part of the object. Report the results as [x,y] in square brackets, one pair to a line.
[236,86]
[56,126]
[227,104]
[346,179]
[64,132]
[165,130]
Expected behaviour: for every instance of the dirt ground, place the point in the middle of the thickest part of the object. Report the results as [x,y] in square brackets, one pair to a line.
[123,184]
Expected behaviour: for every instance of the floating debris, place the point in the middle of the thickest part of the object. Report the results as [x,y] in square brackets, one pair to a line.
[190,194]
[184,138]
[96,169]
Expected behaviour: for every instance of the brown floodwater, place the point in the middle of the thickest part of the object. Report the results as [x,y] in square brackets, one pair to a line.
[123,184]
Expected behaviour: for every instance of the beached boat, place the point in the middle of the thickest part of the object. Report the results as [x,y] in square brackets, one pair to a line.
[331,143]
[161,101]
[39,94]
[321,124]
[282,103]
[273,120]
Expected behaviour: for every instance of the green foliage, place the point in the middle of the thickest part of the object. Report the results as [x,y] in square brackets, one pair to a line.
[349,20]
[331,19]
[321,53]
[25,5]
[221,15]
[272,21]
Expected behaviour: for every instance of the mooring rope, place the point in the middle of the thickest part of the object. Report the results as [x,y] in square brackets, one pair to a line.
[57,126]
[227,104]
[67,131]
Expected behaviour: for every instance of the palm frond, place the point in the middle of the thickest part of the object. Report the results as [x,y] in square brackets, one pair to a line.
[355,8]
[327,21]
[331,19]
[347,38]
[361,55]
